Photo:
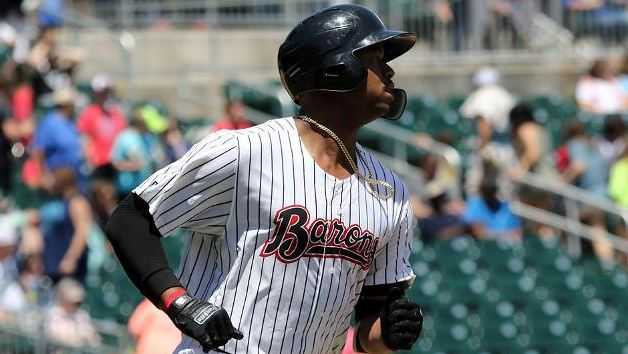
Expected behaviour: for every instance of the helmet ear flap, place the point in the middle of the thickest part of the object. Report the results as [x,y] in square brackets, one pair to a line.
[398,105]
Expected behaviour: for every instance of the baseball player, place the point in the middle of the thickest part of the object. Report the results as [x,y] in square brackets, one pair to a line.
[294,228]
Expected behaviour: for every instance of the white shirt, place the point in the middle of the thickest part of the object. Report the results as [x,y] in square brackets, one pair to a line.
[491,102]
[283,246]
[605,96]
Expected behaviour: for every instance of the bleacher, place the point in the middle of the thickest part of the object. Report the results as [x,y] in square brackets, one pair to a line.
[498,298]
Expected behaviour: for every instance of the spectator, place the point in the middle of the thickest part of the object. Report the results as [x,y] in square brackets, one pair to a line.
[131,156]
[65,224]
[104,200]
[234,117]
[441,223]
[8,242]
[153,330]
[599,92]
[488,216]
[531,143]
[100,123]
[23,102]
[618,181]
[21,295]
[489,105]
[613,140]
[66,323]
[6,158]
[587,168]
[175,145]
[57,142]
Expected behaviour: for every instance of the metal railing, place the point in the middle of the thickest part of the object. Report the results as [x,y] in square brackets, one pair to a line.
[440,25]
[573,199]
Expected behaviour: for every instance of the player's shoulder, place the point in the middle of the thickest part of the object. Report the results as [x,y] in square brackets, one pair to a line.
[263,134]
[384,173]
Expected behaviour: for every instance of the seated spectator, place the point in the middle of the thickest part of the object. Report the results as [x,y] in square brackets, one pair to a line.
[600,92]
[131,156]
[175,145]
[66,323]
[618,181]
[100,123]
[57,142]
[533,155]
[489,105]
[613,140]
[17,296]
[65,224]
[587,168]
[530,142]
[234,117]
[441,223]
[489,217]
[153,330]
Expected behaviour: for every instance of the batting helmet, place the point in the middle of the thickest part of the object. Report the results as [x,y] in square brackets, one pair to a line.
[319,53]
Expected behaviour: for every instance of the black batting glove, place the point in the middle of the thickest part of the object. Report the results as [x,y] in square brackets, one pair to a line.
[401,321]
[208,324]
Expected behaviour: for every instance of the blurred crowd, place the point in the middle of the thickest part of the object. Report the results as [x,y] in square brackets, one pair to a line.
[74,150]
[511,142]
[68,152]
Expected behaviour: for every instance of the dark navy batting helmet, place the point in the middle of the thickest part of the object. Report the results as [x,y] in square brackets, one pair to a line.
[319,53]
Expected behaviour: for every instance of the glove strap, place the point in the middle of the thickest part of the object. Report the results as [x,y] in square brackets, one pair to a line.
[171,298]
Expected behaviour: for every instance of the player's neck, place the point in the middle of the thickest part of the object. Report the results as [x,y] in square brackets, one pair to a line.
[324,148]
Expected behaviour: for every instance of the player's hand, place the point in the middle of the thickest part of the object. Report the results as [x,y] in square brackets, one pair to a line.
[401,321]
[208,324]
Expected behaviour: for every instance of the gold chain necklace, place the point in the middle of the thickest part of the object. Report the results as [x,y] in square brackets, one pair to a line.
[370,181]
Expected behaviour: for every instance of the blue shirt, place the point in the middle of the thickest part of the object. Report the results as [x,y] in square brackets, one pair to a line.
[58,231]
[60,142]
[596,169]
[499,221]
[130,144]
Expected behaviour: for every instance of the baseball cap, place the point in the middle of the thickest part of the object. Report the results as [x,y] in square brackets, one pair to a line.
[486,76]
[101,82]
[64,95]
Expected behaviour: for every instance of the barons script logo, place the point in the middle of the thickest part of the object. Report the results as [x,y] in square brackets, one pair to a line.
[294,238]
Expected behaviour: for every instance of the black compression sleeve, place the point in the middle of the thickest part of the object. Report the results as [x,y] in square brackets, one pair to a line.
[137,243]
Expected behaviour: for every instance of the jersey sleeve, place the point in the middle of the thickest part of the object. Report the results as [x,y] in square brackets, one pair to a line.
[392,262]
[196,191]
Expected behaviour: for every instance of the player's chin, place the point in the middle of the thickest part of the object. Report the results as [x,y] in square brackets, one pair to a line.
[381,108]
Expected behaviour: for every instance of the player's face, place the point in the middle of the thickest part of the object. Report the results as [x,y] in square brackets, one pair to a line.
[379,85]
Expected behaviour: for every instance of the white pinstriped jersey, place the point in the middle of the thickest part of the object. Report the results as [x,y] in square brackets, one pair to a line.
[283,246]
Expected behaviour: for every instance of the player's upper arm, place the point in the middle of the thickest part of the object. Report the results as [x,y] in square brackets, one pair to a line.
[195,192]
[391,264]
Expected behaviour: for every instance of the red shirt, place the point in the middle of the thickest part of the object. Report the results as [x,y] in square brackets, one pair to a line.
[229,125]
[101,128]
[22,102]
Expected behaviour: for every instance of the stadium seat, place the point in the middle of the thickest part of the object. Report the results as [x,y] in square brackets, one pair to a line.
[534,299]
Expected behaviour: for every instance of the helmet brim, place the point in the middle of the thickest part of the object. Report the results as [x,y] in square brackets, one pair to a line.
[395,43]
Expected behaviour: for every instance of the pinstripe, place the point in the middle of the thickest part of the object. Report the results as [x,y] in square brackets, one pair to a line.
[296,307]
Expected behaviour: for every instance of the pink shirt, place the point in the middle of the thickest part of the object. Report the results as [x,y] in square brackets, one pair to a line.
[101,128]
[229,125]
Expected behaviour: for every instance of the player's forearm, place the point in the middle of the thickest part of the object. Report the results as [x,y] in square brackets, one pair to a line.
[369,337]
[137,244]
